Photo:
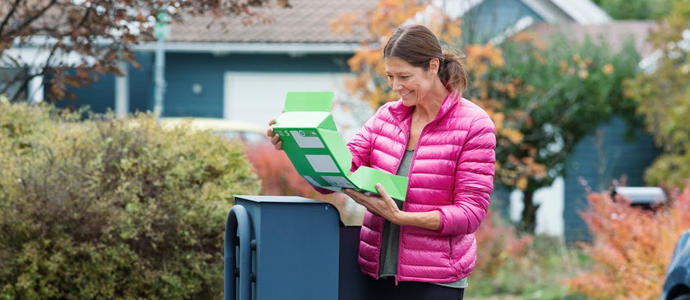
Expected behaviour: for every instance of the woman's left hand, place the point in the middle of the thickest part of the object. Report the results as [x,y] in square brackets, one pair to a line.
[383,206]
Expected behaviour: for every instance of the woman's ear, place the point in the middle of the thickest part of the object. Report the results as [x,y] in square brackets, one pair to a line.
[434,64]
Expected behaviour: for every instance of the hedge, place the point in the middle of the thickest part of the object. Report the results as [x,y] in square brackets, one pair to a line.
[108,208]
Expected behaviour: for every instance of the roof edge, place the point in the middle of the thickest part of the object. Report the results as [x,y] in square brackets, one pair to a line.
[264,48]
[583,11]
[546,12]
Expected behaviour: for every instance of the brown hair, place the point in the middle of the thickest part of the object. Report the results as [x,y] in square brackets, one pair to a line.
[417,45]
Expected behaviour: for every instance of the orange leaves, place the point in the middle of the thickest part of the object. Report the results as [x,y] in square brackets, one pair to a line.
[369,83]
[447,30]
[511,134]
[480,57]
[344,23]
[366,57]
[382,21]
[631,247]
[529,38]
[517,172]
[509,88]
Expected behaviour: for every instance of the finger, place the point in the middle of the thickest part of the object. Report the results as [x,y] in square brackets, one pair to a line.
[275,138]
[382,191]
[269,132]
[271,122]
[279,145]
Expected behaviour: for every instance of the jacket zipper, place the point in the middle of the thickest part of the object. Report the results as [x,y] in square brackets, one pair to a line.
[414,158]
[407,139]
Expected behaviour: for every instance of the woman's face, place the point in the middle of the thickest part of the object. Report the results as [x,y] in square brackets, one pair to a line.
[412,83]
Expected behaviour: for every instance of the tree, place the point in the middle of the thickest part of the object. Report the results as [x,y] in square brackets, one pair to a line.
[99,32]
[635,9]
[663,94]
[543,99]
[561,91]
[381,22]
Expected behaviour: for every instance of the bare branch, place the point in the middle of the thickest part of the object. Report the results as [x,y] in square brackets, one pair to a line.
[31,19]
[16,95]
[72,28]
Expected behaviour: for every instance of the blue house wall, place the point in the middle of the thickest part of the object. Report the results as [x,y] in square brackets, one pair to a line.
[491,17]
[599,165]
[100,95]
[183,70]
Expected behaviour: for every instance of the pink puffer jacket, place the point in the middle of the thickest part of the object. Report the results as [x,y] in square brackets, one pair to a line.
[452,172]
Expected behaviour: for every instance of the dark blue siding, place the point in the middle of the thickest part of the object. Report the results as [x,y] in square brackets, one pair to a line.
[185,69]
[620,157]
[100,95]
[141,84]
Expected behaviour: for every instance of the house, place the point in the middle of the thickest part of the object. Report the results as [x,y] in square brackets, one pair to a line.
[224,69]
[484,20]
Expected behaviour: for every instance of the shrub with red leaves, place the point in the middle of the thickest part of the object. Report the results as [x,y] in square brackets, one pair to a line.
[497,243]
[631,247]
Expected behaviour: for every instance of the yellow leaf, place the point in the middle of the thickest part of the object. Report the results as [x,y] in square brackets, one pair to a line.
[583,74]
[522,183]
[608,69]
[511,134]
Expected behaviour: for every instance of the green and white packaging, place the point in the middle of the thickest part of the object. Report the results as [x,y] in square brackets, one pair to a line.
[311,141]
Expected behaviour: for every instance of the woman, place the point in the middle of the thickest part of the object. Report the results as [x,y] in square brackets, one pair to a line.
[424,247]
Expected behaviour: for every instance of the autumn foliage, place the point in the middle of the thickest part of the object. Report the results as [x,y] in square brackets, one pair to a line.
[499,243]
[663,94]
[100,33]
[631,247]
[381,22]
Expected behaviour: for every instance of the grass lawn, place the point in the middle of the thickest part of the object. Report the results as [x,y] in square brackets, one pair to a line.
[537,275]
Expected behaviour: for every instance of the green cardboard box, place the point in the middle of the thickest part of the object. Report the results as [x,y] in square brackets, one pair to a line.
[311,141]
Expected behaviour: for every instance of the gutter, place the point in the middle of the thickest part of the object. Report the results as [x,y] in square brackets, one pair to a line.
[220,48]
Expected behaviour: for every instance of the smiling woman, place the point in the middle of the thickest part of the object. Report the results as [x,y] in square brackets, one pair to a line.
[424,247]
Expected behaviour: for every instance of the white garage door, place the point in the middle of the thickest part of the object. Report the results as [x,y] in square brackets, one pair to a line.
[258,97]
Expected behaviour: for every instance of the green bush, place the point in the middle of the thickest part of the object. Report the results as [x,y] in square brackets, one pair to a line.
[111,208]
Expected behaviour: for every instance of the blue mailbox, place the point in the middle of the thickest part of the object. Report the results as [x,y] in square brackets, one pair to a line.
[290,248]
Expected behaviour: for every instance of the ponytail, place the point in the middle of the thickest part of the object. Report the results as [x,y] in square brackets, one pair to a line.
[453,72]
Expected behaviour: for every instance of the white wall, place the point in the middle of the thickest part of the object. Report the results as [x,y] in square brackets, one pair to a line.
[259,97]
[550,213]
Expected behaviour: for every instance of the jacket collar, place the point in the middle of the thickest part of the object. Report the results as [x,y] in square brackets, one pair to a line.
[403,113]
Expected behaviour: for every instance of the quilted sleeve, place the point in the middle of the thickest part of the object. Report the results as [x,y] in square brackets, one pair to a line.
[474,177]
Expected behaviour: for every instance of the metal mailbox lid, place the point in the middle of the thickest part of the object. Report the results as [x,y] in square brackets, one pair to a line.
[278,199]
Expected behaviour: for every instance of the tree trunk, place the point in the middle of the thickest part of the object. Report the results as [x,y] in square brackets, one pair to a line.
[529,213]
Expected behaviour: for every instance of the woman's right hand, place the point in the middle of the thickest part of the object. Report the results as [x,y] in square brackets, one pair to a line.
[275,138]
